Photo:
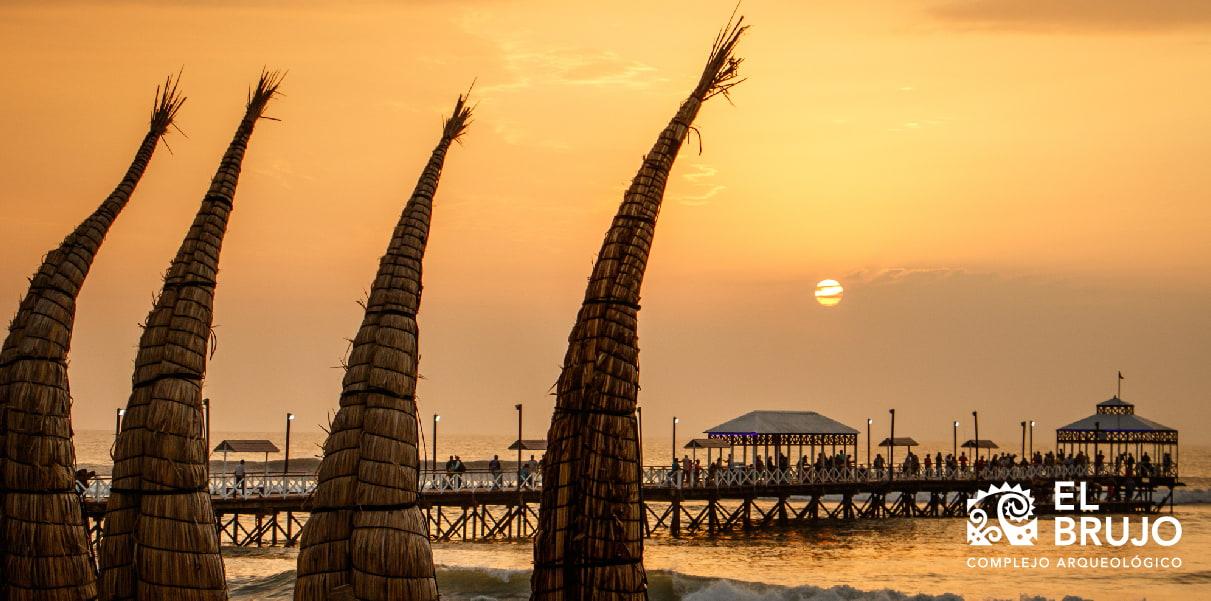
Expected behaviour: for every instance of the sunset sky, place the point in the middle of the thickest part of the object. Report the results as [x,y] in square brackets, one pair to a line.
[1014,194]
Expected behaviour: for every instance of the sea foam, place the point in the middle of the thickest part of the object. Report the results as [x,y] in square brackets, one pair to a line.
[488,584]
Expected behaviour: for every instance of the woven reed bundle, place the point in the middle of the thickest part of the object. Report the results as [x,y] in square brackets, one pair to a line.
[160,540]
[589,543]
[44,550]
[365,535]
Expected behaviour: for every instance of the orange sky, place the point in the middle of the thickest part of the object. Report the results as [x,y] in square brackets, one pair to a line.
[1016,200]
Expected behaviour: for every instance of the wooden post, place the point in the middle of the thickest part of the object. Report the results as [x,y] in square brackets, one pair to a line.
[675,527]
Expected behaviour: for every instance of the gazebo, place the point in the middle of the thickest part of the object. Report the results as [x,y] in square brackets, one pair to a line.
[529,444]
[708,444]
[1115,425]
[982,443]
[785,431]
[247,446]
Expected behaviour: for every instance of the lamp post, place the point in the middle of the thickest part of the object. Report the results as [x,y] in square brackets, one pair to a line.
[118,422]
[869,421]
[433,467]
[1023,438]
[955,434]
[891,447]
[976,416]
[676,420]
[1032,439]
[286,463]
[518,408]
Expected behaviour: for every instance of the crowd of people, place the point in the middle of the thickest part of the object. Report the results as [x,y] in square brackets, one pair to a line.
[773,469]
[528,472]
[777,468]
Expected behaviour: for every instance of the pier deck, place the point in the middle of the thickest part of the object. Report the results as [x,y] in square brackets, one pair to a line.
[271,509]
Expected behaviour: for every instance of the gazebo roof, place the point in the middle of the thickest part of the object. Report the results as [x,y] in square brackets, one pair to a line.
[982,443]
[899,442]
[707,443]
[1105,422]
[529,445]
[1115,415]
[246,446]
[781,422]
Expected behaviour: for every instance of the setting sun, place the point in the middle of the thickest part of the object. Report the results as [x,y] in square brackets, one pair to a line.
[829,292]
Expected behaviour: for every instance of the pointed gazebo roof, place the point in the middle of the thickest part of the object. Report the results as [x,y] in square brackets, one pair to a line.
[781,422]
[784,427]
[1116,420]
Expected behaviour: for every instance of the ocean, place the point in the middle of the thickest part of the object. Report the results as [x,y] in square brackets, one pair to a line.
[884,560]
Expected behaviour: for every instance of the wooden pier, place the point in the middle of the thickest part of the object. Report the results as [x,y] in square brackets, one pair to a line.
[482,506]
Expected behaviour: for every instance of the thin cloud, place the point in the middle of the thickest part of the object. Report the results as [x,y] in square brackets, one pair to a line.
[284,173]
[701,199]
[709,190]
[533,67]
[1077,15]
[702,171]
[892,275]
[515,135]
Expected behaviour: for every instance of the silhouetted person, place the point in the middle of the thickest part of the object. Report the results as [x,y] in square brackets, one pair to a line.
[240,472]
[494,468]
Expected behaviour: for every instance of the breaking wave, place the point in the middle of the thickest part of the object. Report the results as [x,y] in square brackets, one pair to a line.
[487,584]
[1183,496]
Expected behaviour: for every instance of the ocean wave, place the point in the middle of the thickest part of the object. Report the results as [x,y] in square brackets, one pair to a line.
[279,586]
[671,586]
[488,584]
[1191,496]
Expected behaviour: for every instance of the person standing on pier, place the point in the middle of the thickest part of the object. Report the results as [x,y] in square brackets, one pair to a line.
[532,469]
[459,469]
[494,469]
[240,472]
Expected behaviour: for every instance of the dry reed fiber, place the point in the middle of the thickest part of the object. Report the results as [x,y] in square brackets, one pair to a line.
[365,536]
[44,552]
[589,543]
[160,540]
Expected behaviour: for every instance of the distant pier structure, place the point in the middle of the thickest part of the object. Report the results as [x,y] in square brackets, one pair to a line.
[741,494]
[1116,429]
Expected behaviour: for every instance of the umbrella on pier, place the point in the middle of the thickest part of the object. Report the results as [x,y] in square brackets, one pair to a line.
[366,538]
[899,442]
[707,443]
[43,545]
[528,445]
[160,540]
[982,443]
[589,543]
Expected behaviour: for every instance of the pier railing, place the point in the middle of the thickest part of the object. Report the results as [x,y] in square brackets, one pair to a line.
[283,485]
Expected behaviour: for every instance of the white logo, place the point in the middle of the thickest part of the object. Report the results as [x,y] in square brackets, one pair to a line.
[1015,517]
